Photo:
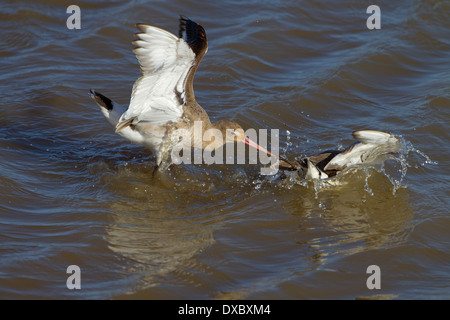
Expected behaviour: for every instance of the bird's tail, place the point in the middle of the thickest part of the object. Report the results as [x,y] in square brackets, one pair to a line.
[111,110]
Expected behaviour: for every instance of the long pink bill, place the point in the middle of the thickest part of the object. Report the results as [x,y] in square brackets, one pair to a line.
[253,144]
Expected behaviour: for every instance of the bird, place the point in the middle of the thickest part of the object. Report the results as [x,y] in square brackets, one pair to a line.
[372,148]
[162,101]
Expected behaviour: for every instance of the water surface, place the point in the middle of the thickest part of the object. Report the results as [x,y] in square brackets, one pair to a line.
[74,193]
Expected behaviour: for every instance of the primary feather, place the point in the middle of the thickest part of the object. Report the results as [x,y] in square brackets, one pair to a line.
[159,94]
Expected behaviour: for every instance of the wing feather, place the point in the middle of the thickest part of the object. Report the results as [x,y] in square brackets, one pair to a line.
[165,62]
[372,148]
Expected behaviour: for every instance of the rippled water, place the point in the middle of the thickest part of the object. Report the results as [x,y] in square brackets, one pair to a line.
[74,193]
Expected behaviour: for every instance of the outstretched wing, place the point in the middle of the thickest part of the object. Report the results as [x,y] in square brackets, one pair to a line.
[168,64]
[372,148]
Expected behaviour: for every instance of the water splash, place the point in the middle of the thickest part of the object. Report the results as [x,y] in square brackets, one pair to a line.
[366,184]
[397,183]
[318,186]
[406,159]
[288,142]
[258,184]
[409,148]
[394,168]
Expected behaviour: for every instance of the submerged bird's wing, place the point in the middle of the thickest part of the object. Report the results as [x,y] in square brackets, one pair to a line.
[168,64]
[372,148]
